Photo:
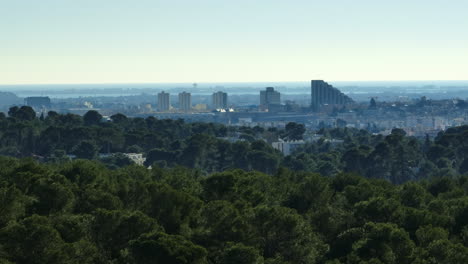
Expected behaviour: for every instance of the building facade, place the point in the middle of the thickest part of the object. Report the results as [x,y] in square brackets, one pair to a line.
[38,102]
[287,147]
[219,100]
[185,101]
[323,93]
[269,97]
[163,102]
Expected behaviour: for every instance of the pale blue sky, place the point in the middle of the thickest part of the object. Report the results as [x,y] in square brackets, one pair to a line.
[132,41]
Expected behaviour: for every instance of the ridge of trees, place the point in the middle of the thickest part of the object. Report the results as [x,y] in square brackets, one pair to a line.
[207,199]
[214,147]
[82,212]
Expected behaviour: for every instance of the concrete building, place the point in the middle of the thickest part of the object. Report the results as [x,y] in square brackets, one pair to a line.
[323,93]
[200,107]
[163,102]
[38,102]
[269,97]
[219,100]
[287,147]
[137,158]
[185,101]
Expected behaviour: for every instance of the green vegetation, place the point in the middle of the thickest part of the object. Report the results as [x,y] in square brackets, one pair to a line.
[82,212]
[169,143]
[208,200]
[215,148]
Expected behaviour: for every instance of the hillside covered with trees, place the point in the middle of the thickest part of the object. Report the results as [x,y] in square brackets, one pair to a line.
[209,199]
[212,148]
[82,212]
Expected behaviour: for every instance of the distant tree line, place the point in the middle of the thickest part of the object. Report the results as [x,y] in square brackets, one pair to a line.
[212,147]
[166,142]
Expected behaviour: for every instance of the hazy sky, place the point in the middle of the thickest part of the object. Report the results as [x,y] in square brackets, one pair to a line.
[113,41]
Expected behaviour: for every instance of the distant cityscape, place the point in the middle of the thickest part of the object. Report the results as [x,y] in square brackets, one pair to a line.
[325,106]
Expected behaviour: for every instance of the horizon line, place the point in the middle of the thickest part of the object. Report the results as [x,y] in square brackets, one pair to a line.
[216,82]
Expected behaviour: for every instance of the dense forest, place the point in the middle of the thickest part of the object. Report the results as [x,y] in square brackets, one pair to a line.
[82,212]
[208,199]
[212,148]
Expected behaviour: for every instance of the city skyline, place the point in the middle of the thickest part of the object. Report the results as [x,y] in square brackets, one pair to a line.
[50,41]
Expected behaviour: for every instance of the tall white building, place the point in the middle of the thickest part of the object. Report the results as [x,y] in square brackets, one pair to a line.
[219,100]
[185,101]
[163,101]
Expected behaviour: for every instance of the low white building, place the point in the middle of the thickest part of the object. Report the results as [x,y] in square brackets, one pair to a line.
[136,157]
[287,147]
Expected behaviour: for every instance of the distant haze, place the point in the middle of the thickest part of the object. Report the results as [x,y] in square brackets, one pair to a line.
[358,90]
[227,85]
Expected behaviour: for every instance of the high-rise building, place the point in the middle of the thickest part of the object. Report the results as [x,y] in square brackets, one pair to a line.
[219,100]
[323,93]
[163,101]
[185,101]
[38,102]
[269,97]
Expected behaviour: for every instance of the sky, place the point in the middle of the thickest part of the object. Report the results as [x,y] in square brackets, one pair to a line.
[153,41]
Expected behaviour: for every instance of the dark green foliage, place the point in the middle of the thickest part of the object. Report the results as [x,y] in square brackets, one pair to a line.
[166,143]
[239,253]
[82,212]
[311,194]
[210,200]
[112,230]
[35,240]
[383,243]
[85,150]
[118,118]
[175,210]
[92,117]
[294,131]
[169,143]
[281,233]
[158,247]
[24,113]
[117,160]
[156,155]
